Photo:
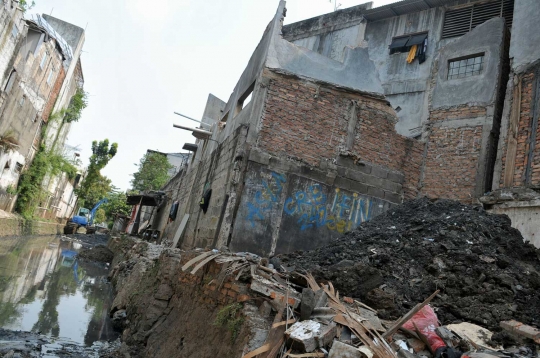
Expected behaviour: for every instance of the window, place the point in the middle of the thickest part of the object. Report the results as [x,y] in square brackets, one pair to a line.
[49,78]
[18,167]
[43,60]
[244,99]
[465,67]
[459,21]
[14,32]
[10,81]
[404,43]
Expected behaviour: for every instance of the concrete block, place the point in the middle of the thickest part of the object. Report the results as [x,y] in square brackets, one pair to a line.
[373,181]
[396,177]
[303,335]
[341,171]
[342,350]
[376,192]
[348,162]
[379,172]
[343,183]
[392,197]
[309,335]
[357,187]
[308,304]
[321,299]
[391,186]
[356,175]
[521,329]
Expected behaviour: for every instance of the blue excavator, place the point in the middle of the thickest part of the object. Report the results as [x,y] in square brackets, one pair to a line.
[84,218]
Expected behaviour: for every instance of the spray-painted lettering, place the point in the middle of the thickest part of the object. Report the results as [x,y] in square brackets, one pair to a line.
[265,199]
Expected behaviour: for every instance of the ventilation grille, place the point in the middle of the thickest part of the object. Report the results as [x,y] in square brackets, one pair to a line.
[458,22]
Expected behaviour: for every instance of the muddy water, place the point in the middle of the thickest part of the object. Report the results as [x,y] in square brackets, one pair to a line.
[46,289]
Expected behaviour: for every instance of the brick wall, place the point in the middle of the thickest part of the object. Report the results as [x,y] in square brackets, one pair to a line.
[458,112]
[526,112]
[312,123]
[451,163]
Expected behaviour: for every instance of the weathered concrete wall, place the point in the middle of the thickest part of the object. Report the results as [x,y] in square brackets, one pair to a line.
[479,90]
[524,48]
[17,227]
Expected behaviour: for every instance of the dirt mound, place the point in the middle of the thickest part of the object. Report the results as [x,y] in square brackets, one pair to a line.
[485,272]
[98,253]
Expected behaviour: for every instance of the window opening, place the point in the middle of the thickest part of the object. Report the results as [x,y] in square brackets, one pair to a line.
[10,82]
[465,67]
[405,43]
[244,99]
[14,31]
[18,167]
[49,78]
[43,60]
[459,21]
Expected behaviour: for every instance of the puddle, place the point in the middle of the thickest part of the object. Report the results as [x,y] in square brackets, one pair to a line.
[45,289]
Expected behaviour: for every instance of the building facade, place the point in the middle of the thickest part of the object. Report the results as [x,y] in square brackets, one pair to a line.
[338,118]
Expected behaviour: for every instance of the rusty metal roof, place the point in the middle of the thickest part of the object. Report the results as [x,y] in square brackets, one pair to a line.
[403,7]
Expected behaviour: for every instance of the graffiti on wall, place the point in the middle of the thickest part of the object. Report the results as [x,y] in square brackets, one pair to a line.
[342,213]
[266,198]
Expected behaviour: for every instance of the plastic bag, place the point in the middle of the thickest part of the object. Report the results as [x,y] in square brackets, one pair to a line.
[426,321]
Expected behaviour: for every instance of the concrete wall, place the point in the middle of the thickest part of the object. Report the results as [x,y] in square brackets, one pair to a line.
[17,227]
[525,218]
[524,48]
[10,16]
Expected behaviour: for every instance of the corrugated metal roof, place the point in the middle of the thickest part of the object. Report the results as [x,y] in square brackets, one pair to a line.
[403,7]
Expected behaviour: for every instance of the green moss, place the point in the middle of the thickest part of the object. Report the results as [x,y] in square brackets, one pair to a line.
[230,317]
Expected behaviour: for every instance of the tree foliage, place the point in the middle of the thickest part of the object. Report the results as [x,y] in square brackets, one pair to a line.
[78,102]
[116,204]
[95,186]
[153,172]
[26,5]
[30,189]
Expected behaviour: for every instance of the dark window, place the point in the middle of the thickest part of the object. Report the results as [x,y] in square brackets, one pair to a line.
[404,43]
[18,167]
[458,22]
[10,81]
[465,67]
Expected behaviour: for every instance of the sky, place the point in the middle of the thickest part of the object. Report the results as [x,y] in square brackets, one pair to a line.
[143,60]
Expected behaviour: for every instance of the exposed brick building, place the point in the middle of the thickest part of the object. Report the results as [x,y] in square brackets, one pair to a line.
[338,118]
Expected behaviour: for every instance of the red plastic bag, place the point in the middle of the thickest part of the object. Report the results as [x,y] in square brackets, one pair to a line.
[426,321]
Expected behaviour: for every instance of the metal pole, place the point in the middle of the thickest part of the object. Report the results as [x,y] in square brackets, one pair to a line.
[204,124]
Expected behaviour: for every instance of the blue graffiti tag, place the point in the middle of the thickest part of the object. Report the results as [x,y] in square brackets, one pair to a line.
[265,198]
[311,207]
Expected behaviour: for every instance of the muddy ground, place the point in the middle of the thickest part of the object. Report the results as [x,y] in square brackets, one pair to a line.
[484,270]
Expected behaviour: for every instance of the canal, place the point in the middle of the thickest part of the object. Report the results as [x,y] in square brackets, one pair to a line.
[47,290]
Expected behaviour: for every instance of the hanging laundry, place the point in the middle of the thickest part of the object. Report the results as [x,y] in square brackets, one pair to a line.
[412,54]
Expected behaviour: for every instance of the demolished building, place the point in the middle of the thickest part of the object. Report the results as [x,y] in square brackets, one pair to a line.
[338,118]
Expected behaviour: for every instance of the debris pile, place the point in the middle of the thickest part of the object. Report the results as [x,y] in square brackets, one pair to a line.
[313,320]
[484,271]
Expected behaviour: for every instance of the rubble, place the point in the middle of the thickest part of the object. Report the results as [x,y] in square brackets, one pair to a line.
[306,325]
[484,270]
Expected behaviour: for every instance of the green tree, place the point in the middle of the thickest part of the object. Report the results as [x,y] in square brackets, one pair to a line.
[153,172]
[116,204]
[95,186]
[99,217]
[26,5]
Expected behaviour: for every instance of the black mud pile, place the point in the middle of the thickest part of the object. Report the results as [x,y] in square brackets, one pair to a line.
[485,272]
[98,253]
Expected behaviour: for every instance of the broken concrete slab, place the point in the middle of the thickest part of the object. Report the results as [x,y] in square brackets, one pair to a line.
[303,335]
[522,330]
[308,303]
[342,350]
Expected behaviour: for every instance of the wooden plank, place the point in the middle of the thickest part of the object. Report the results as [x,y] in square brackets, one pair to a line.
[203,262]
[180,230]
[291,321]
[408,316]
[257,351]
[196,259]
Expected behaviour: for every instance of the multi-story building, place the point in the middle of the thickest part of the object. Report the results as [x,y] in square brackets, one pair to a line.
[340,117]
[41,72]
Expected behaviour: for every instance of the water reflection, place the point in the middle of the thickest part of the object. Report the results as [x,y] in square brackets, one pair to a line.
[44,288]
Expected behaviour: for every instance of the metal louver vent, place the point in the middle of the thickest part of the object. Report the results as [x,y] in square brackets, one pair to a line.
[458,22]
